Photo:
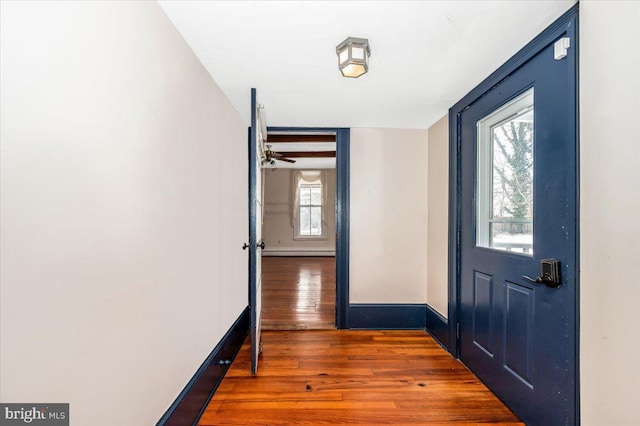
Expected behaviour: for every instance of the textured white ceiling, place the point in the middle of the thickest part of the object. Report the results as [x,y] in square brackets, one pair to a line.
[425,55]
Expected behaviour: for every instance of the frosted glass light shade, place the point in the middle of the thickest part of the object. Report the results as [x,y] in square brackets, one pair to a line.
[353,57]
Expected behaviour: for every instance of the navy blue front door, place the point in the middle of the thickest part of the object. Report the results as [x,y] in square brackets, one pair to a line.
[516,204]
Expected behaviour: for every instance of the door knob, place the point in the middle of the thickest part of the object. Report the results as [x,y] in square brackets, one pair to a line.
[245,246]
[261,245]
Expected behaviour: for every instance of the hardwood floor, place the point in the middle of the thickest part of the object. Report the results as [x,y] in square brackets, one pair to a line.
[352,377]
[298,293]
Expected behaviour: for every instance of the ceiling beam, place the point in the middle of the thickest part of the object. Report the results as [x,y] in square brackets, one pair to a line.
[309,154]
[300,138]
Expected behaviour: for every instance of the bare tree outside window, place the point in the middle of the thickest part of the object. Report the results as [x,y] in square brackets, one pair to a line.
[513,176]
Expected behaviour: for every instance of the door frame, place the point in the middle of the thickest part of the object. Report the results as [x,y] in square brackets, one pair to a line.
[567,23]
[342,215]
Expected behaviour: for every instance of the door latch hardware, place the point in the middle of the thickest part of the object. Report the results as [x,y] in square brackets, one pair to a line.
[245,246]
[261,245]
[549,274]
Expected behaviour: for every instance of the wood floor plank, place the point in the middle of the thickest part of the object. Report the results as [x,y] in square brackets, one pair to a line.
[307,405]
[352,377]
[285,396]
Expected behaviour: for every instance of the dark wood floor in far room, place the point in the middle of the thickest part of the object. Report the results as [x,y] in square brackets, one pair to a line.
[298,293]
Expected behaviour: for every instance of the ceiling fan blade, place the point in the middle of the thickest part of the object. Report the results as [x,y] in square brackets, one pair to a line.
[288,160]
[309,154]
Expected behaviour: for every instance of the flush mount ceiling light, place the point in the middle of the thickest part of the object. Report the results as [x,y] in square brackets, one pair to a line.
[353,56]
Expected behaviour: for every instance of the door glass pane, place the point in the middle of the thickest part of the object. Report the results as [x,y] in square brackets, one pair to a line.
[504,202]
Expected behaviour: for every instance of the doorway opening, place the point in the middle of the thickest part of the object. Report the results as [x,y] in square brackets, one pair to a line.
[299,258]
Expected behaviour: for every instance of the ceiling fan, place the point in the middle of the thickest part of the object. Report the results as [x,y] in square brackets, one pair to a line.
[272,156]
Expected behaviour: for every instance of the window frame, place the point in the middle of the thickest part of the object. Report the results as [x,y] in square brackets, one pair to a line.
[297,231]
[484,169]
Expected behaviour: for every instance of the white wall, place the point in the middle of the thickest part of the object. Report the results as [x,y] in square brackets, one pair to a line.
[278,210]
[118,269]
[438,216]
[610,202]
[388,239]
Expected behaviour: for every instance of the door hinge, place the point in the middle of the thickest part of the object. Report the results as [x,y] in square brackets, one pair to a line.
[560,48]
[457,330]
[337,236]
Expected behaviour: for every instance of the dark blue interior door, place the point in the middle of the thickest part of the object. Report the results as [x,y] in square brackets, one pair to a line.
[256,244]
[517,206]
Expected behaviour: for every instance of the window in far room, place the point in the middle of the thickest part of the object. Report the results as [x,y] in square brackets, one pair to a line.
[309,208]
